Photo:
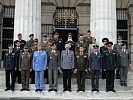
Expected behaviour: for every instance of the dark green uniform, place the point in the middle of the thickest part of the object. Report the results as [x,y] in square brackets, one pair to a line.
[81,66]
[25,66]
[88,39]
[30,43]
[79,44]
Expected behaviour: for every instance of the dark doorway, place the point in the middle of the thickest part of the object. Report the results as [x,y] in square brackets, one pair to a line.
[64,34]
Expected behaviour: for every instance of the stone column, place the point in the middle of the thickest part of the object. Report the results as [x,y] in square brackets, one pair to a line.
[27,18]
[103,20]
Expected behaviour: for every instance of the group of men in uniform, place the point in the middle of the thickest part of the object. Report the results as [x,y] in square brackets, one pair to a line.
[69,57]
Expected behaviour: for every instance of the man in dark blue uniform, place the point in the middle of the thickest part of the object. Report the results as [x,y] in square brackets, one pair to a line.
[102,50]
[18,49]
[95,65]
[109,65]
[9,65]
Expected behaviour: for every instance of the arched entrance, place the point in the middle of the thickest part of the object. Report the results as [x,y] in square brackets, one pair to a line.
[66,21]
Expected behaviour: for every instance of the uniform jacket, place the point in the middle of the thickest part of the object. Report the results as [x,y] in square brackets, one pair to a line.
[59,43]
[30,43]
[18,51]
[53,60]
[9,60]
[95,61]
[103,49]
[117,47]
[124,58]
[23,42]
[25,61]
[110,61]
[67,59]
[81,61]
[39,60]
[34,48]
[78,44]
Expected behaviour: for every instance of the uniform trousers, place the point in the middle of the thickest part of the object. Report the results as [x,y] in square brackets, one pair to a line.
[52,74]
[123,74]
[67,79]
[8,73]
[95,79]
[81,80]
[110,77]
[39,79]
[25,79]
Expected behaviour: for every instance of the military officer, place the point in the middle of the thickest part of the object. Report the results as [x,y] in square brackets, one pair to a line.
[22,42]
[25,60]
[110,64]
[124,60]
[81,68]
[53,66]
[67,65]
[30,43]
[39,65]
[33,49]
[88,37]
[102,50]
[58,42]
[117,48]
[10,65]
[95,65]
[80,42]
[45,41]
[18,49]
[71,42]
[90,48]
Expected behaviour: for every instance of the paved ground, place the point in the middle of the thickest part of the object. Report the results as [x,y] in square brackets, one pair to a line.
[125,93]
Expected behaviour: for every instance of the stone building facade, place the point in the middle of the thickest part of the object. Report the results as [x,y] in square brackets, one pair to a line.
[76,20]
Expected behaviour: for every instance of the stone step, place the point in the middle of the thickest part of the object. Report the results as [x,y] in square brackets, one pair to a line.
[123,93]
[44,95]
[102,84]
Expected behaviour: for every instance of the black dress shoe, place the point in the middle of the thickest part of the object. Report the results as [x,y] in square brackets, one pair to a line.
[93,90]
[40,90]
[12,89]
[50,90]
[7,89]
[107,90]
[32,82]
[37,90]
[122,84]
[78,90]
[27,89]
[69,90]
[125,84]
[22,89]
[55,90]
[97,90]
[83,90]
[64,90]
[113,90]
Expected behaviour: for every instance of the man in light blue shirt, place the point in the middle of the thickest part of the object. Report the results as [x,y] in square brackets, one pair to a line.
[39,65]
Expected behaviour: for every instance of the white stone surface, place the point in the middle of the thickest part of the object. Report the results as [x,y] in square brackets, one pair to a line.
[103,19]
[27,18]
